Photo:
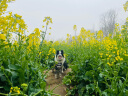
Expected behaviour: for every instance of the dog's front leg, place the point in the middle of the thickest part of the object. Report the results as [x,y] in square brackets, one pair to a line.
[63,65]
[55,76]
[60,74]
[62,68]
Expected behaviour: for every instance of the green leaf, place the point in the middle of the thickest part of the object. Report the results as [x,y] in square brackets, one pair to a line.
[126,92]
[101,75]
[120,83]
[13,67]
[90,86]
[1,73]
[81,91]
[1,87]
[104,94]
[8,70]
[2,46]
[14,74]
[3,78]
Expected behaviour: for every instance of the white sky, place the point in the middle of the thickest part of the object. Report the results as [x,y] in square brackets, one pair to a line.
[65,14]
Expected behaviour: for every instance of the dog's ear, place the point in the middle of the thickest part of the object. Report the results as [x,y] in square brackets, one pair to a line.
[57,52]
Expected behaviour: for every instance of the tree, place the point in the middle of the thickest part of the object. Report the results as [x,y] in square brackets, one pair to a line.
[108,21]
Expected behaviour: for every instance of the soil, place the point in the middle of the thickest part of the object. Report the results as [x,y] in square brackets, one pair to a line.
[52,83]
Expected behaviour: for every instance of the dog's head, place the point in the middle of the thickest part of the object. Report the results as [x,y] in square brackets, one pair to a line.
[59,54]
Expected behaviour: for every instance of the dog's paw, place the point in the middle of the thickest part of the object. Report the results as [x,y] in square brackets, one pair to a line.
[55,76]
[60,74]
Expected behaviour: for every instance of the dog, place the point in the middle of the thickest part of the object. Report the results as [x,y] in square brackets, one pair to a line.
[61,65]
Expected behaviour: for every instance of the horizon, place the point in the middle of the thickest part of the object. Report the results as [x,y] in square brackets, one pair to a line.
[65,14]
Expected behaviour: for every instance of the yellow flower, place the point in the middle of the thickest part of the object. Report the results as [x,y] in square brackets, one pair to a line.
[118,52]
[116,24]
[49,33]
[15,89]
[73,38]
[68,35]
[101,53]
[18,16]
[106,54]
[40,53]
[67,39]
[18,91]
[2,36]
[47,23]
[10,91]
[116,48]
[37,31]
[100,34]
[51,20]
[125,7]
[110,55]
[109,64]
[44,19]
[121,59]
[50,28]
[126,54]
[116,58]
[75,27]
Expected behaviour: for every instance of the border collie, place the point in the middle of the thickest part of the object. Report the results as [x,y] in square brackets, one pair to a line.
[61,65]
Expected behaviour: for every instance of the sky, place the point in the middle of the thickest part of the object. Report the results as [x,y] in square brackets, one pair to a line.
[65,14]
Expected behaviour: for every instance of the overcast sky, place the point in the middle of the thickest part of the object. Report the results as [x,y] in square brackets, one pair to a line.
[65,14]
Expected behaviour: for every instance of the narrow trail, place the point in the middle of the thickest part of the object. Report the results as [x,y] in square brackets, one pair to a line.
[52,83]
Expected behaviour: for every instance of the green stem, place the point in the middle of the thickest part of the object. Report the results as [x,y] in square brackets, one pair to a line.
[7,78]
[45,33]
[47,92]
[3,94]
[54,94]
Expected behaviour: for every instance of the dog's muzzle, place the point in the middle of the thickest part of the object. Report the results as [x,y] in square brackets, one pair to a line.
[59,57]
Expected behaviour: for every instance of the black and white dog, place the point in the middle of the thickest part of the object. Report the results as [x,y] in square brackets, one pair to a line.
[61,65]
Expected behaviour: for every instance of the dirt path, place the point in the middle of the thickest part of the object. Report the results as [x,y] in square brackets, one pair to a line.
[52,83]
